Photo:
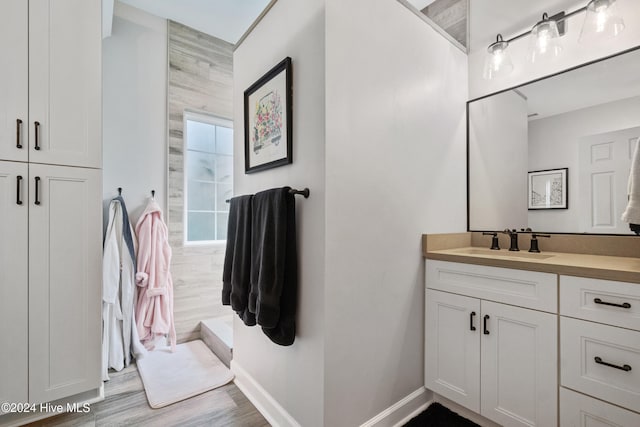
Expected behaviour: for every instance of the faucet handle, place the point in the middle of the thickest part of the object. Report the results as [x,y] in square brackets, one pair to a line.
[534,241]
[494,239]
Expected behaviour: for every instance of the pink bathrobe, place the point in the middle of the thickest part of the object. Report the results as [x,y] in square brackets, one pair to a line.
[154,308]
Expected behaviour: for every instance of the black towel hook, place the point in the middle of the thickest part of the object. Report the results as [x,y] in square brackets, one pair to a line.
[119,191]
[153,194]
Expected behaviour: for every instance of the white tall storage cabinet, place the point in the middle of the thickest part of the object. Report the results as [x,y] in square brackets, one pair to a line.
[50,199]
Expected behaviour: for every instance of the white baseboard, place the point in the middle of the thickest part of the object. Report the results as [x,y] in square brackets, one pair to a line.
[399,413]
[270,409]
[462,411]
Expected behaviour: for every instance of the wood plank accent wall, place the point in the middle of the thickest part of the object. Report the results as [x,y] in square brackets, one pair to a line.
[200,79]
[451,16]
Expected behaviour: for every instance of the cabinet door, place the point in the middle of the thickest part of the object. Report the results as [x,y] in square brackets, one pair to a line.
[65,218]
[65,82]
[14,94]
[519,366]
[14,289]
[452,347]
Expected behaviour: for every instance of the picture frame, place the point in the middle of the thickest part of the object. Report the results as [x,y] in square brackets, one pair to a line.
[548,189]
[268,120]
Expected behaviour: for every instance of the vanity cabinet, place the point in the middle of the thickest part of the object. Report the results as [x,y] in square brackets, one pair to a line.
[494,358]
[600,351]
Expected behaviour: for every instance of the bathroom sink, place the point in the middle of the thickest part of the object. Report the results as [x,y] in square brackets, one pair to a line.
[503,253]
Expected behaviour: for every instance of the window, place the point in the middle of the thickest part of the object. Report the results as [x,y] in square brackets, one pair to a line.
[208,177]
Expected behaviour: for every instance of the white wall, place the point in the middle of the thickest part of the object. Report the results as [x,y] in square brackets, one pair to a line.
[573,53]
[553,143]
[498,154]
[134,90]
[395,160]
[293,376]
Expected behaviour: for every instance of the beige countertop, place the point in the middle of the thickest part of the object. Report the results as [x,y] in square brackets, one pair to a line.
[625,269]
[599,257]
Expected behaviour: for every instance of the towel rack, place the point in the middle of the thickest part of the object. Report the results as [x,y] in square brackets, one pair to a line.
[293,191]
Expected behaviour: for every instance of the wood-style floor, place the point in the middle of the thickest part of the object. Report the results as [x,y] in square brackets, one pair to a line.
[126,404]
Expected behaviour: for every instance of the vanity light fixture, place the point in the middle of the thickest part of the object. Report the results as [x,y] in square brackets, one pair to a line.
[498,61]
[545,40]
[601,21]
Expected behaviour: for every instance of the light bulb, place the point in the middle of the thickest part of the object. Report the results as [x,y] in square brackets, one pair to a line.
[601,21]
[545,40]
[498,61]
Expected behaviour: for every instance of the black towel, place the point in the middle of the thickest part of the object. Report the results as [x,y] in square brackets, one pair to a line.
[274,271]
[236,274]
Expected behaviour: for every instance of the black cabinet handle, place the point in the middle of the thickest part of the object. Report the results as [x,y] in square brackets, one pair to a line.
[623,305]
[37,201]
[625,367]
[18,181]
[486,317]
[37,129]
[471,327]
[18,131]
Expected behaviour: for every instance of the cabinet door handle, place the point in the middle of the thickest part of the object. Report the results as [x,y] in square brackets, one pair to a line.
[623,305]
[486,317]
[37,201]
[18,131]
[37,130]
[471,327]
[18,198]
[625,367]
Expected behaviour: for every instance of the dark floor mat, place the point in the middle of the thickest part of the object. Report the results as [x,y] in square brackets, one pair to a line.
[437,415]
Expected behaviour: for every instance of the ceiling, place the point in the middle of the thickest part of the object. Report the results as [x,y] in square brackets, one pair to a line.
[225,19]
[487,18]
[599,83]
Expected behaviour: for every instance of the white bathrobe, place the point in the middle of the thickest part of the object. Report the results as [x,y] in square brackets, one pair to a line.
[632,214]
[119,335]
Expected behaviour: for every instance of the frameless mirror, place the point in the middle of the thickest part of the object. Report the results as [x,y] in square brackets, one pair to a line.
[554,155]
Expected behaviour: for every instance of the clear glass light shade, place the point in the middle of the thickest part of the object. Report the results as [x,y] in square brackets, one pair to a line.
[545,41]
[498,63]
[601,21]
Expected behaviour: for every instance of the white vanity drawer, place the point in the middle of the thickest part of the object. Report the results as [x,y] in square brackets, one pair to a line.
[588,353]
[529,289]
[591,299]
[578,410]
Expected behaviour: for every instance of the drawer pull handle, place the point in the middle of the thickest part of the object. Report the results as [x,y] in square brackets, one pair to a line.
[623,305]
[486,317]
[471,327]
[625,368]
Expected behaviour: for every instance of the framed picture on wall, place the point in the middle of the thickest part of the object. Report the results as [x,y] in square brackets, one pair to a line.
[548,189]
[267,120]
